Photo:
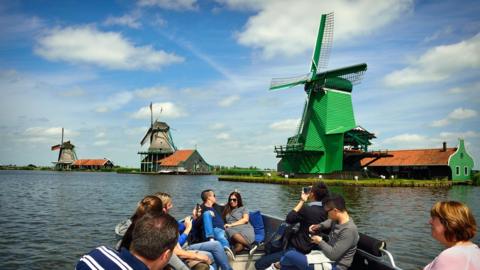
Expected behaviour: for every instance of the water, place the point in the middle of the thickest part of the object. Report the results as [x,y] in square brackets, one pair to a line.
[49,219]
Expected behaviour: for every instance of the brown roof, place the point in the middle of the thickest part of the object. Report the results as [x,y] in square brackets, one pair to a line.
[417,157]
[90,162]
[175,158]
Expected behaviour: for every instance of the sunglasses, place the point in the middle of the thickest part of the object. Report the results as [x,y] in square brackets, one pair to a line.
[232,199]
[328,210]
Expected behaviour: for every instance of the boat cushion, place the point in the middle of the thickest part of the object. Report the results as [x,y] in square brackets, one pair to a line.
[370,245]
[256,220]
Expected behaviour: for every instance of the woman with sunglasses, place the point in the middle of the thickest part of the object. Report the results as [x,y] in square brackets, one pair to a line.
[239,230]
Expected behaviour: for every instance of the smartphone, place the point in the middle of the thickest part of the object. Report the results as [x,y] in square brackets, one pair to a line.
[307,189]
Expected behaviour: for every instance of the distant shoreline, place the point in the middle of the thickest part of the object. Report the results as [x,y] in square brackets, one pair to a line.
[339,182]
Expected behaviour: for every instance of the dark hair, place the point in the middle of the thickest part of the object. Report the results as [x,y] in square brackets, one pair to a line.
[149,204]
[336,201]
[228,209]
[457,218]
[320,191]
[204,194]
[154,234]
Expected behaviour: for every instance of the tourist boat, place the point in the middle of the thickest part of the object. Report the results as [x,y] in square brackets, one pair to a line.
[371,254]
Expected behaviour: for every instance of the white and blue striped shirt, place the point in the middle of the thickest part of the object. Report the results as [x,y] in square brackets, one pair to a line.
[107,258]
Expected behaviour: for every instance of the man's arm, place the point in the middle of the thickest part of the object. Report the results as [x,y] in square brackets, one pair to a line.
[346,239]
[295,215]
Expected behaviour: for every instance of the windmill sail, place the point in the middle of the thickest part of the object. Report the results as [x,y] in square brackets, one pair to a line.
[284,83]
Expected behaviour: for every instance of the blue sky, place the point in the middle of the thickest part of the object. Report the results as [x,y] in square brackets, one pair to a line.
[93,67]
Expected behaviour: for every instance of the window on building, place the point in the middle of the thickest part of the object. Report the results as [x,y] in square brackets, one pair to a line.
[465,169]
[461,155]
[457,170]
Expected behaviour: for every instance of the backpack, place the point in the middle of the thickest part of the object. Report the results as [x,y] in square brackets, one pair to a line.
[280,238]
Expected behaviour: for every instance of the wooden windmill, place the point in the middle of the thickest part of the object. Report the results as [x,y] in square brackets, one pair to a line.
[318,144]
[66,154]
[160,143]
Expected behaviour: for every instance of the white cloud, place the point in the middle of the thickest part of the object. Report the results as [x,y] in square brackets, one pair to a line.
[223,136]
[162,110]
[440,33]
[101,135]
[130,20]
[217,126]
[455,135]
[115,102]
[457,114]
[228,101]
[170,4]
[151,92]
[406,141]
[46,134]
[285,125]
[87,45]
[279,29]
[438,64]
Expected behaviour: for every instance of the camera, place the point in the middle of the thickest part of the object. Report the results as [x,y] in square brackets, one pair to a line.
[307,189]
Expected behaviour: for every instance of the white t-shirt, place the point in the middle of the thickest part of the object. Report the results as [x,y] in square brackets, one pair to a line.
[458,258]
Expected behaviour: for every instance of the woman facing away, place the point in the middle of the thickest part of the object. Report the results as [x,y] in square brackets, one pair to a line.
[239,231]
[149,204]
[453,225]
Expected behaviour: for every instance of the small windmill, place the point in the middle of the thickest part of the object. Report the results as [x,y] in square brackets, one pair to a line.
[317,146]
[66,154]
[160,143]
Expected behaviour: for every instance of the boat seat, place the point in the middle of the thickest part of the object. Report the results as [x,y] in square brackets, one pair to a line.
[369,255]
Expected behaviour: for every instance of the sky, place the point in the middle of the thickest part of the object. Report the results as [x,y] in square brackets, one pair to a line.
[93,67]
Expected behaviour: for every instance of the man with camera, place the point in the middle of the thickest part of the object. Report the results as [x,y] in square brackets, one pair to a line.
[308,211]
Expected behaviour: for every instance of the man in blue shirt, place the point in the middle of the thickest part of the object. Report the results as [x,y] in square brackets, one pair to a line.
[153,240]
[213,224]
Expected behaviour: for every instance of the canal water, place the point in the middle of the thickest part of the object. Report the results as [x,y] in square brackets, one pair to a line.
[49,219]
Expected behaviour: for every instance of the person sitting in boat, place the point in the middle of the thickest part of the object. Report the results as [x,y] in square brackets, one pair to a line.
[149,204]
[306,214]
[153,240]
[454,226]
[338,252]
[239,231]
[211,218]
[204,252]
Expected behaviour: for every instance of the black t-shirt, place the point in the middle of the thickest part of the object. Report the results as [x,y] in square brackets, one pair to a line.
[312,213]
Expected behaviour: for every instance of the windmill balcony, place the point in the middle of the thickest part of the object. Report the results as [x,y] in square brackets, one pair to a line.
[281,150]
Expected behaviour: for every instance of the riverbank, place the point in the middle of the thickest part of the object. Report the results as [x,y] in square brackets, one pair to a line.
[338,182]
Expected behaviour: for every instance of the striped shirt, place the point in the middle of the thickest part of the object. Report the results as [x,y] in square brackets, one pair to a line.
[107,258]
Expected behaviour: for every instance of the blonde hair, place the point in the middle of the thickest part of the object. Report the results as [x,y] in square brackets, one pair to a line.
[457,218]
[165,197]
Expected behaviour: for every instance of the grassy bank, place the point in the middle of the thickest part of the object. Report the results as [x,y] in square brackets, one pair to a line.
[338,182]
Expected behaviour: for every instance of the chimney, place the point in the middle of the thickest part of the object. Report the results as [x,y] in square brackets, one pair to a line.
[444,146]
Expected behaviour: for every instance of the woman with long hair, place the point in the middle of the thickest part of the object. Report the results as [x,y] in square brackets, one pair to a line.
[149,204]
[453,225]
[239,230]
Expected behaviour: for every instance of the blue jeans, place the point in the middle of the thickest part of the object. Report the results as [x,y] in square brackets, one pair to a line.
[294,260]
[211,232]
[216,249]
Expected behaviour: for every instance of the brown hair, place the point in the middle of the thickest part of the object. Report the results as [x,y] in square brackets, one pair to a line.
[457,219]
[149,204]
[228,209]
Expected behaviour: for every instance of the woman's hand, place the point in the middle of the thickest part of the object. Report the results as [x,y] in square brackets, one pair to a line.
[227,225]
[188,222]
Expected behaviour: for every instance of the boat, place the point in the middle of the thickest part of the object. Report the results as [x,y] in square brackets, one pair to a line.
[372,254]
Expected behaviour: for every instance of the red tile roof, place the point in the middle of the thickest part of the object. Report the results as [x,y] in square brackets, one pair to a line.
[175,158]
[417,157]
[90,162]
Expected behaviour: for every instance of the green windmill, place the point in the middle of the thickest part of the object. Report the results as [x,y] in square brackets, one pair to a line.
[318,144]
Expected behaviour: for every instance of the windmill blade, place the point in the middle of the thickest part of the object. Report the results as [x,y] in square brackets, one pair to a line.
[144,140]
[352,73]
[284,83]
[56,147]
[323,45]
